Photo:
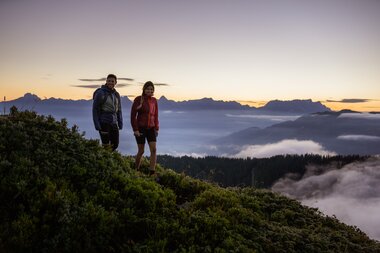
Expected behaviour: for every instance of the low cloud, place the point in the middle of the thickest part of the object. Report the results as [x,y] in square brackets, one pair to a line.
[360,115]
[171,112]
[350,100]
[281,148]
[268,117]
[352,193]
[358,137]
[192,154]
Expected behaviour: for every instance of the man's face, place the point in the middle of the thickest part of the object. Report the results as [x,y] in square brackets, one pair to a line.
[111,82]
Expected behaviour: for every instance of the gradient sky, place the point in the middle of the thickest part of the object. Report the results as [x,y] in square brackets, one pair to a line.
[326,50]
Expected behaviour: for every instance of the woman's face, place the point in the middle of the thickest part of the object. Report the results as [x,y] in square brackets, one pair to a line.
[149,91]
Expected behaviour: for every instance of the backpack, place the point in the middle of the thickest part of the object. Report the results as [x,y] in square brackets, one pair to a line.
[105,97]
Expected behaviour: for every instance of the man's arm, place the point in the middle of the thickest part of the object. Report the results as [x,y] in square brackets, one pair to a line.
[96,110]
[119,114]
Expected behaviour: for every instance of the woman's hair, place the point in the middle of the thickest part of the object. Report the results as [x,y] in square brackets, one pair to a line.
[146,85]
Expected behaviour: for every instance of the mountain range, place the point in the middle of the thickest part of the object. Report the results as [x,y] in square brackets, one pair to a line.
[31,101]
[202,124]
[343,132]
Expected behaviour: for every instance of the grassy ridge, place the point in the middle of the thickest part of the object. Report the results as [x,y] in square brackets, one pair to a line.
[62,193]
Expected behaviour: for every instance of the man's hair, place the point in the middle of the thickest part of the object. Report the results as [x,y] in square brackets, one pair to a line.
[112,76]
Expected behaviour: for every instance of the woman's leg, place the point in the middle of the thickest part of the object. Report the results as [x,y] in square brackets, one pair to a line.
[153,155]
[139,154]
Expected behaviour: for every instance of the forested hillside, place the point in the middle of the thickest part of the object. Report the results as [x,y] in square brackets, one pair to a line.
[257,172]
[62,193]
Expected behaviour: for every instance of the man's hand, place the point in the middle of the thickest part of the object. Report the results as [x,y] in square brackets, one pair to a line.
[137,133]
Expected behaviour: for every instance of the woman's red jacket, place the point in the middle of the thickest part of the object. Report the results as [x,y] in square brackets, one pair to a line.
[145,116]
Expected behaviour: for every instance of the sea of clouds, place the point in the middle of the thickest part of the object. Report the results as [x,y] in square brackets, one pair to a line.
[351,193]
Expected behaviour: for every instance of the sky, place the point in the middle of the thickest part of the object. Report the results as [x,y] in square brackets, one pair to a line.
[250,51]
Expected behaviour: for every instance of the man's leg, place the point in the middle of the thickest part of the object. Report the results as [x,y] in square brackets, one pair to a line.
[114,137]
[105,133]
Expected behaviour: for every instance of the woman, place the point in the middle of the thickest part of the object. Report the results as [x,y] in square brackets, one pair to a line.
[144,121]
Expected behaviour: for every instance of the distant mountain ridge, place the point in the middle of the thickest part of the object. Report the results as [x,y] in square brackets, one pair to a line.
[297,105]
[345,132]
[31,101]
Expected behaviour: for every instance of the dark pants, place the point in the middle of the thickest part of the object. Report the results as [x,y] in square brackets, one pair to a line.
[109,134]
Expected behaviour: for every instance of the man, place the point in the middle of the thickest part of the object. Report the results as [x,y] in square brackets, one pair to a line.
[106,112]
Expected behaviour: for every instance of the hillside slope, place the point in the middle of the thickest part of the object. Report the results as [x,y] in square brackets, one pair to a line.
[62,193]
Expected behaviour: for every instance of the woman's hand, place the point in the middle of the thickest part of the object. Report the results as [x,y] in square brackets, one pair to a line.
[137,133]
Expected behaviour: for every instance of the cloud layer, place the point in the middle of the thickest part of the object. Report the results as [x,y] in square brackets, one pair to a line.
[375,116]
[352,193]
[350,100]
[269,117]
[358,137]
[281,148]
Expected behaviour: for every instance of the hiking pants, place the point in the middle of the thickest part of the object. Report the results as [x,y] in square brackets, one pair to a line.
[109,134]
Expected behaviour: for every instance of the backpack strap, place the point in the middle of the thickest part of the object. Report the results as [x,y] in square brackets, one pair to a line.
[118,101]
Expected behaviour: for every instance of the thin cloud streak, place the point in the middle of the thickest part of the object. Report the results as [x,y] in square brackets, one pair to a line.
[157,84]
[90,86]
[268,117]
[358,137]
[252,102]
[350,100]
[123,85]
[103,79]
[360,116]
[94,86]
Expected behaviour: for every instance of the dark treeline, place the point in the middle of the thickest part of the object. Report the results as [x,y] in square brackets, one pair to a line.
[258,172]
